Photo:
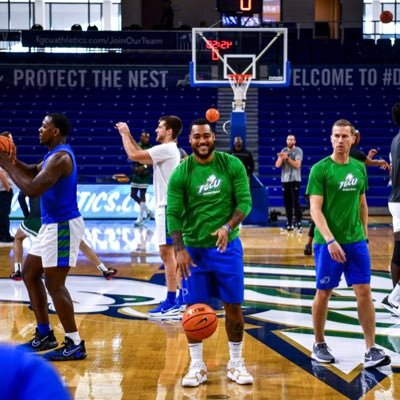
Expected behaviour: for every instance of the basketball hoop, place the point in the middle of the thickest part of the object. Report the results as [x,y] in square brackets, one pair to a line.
[239,84]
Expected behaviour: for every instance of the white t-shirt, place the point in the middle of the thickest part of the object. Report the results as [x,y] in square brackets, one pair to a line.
[165,158]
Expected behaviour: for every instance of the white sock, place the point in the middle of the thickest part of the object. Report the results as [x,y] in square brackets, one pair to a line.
[102,267]
[235,350]
[196,351]
[395,294]
[17,267]
[74,336]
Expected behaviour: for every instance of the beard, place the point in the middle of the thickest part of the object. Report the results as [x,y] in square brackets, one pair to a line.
[204,156]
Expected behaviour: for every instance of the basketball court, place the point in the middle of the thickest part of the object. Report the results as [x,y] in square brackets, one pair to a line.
[133,357]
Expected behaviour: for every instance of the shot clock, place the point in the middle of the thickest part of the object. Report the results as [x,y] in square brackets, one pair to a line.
[216,45]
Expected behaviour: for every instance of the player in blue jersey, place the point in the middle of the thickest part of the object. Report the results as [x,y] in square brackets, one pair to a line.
[26,376]
[55,250]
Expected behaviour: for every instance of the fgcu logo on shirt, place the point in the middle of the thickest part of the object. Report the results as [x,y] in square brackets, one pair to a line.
[212,186]
[349,183]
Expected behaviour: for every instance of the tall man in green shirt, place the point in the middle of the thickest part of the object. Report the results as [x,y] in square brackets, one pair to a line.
[336,187]
[208,197]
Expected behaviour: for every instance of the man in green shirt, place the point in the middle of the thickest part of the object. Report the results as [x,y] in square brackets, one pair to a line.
[336,187]
[208,197]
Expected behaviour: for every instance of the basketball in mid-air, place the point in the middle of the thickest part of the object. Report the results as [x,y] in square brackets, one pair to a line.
[199,321]
[6,144]
[386,17]
[212,115]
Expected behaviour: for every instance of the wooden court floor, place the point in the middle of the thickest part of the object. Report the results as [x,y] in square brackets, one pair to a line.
[132,357]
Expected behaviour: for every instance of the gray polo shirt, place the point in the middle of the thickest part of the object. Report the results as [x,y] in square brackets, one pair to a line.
[289,173]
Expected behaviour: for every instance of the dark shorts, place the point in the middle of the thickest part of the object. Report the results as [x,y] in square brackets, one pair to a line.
[356,269]
[31,226]
[219,275]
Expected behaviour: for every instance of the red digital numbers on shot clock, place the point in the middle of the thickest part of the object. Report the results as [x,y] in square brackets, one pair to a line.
[216,45]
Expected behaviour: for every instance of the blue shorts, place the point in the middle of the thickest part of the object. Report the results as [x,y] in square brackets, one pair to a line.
[219,275]
[356,269]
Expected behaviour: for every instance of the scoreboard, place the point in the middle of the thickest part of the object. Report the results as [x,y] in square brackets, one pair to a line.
[240,6]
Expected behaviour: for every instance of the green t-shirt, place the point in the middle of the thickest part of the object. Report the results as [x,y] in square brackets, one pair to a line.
[341,186]
[203,197]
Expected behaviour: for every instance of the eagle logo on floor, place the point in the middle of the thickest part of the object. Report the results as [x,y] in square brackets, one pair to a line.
[277,310]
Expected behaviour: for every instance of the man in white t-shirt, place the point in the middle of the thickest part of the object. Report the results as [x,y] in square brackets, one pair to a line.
[164,158]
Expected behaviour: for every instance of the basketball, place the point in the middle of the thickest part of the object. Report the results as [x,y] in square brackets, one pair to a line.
[6,144]
[199,321]
[386,17]
[212,114]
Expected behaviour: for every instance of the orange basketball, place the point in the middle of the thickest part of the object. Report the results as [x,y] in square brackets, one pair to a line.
[386,17]
[6,144]
[199,321]
[212,114]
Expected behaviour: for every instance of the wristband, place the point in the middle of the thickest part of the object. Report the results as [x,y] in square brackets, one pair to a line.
[227,227]
[331,241]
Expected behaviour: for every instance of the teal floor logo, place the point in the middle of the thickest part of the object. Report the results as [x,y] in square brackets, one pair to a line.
[278,302]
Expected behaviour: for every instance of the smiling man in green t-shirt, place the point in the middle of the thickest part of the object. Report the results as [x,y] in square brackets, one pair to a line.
[208,197]
[338,206]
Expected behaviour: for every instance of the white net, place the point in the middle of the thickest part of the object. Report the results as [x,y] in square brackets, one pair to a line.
[239,83]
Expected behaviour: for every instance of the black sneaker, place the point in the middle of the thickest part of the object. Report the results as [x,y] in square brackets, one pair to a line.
[375,357]
[109,273]
[16,276]
[393,308]
[307,250]
[40,342]
[289,227]
[68,352]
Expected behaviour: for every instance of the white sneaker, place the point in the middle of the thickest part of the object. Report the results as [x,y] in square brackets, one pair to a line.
[237,372]
[196,375]
[138,222]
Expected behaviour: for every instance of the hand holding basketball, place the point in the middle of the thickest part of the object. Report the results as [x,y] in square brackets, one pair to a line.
[199,321]
[212,115]
[6,144]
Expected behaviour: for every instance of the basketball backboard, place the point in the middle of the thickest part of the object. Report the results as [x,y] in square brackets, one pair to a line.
[218,52]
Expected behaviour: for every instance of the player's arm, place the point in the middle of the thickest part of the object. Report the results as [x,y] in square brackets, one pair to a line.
[376,163]
[59,165]
[282,156]
[9,163]
[334,248]
[132,149]
[175,207]
[243,203]
[364,213]
[294,163]
[242,195]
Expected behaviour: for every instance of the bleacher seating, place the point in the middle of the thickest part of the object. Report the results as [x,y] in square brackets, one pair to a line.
[93,114]
[307,112]
[309,115]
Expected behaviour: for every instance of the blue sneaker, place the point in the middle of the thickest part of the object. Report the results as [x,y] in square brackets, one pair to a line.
[180,302]
[40,342]
[164,309]
[68,352]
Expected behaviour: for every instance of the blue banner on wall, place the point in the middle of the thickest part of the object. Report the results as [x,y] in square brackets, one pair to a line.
[85,76]
[101,202]
[104,77]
